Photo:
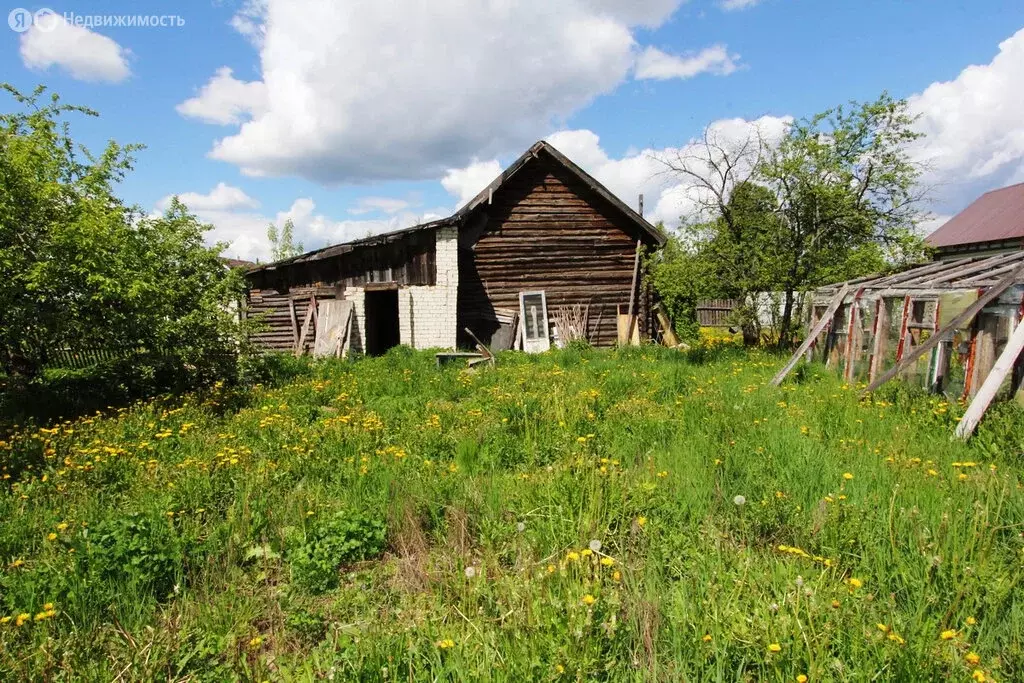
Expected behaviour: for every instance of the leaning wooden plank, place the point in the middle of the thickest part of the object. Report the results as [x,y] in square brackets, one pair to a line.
[300,346]
[294,319]
[1002,368]
[818,327]
[331,327]
[480,346]
[953,324]
[632,292]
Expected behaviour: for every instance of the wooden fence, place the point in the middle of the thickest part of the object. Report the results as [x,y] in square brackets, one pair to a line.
[715,312]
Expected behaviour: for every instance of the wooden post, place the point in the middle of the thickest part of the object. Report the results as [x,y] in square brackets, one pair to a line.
[295,322]
[632,293]
[305,330]
[852,336]
[881,338]
[953,324]
[901,344]
[993,381]
[812,335]
[984,351]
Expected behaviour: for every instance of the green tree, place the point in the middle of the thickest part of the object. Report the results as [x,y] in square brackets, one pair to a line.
[845,187]
[282,245]
[79,269]
[833,199]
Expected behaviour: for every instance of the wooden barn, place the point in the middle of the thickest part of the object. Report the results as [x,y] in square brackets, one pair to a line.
[544,253]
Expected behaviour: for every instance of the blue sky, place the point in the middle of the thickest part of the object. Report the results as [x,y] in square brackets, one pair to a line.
[363,116]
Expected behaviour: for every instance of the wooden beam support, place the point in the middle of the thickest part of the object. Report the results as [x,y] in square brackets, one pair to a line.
[295,322]
[305,330]
[852,336]
[881,334]
[991,385]
[632,293]
[812,335]
[953,324]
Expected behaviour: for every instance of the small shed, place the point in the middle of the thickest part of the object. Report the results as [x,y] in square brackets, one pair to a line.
[544,241]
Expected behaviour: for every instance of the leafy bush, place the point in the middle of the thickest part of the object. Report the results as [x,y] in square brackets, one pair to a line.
[82,271]
[333,542]
[138,549]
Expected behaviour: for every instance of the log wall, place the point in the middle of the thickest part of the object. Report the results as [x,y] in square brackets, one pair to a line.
[546,230]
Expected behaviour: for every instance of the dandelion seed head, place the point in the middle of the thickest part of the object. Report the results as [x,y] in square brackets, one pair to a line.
[739,501]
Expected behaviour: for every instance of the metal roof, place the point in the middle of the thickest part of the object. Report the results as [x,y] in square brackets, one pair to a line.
[542,146]
[969,272]
[996,215]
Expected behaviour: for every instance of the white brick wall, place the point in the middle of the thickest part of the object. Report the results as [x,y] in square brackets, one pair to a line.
[426,314]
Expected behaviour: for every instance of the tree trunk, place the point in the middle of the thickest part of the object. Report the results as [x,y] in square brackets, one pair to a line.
[786,324]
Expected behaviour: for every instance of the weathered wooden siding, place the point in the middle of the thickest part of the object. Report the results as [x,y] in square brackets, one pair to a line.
[545,230]
[272,309]
[409,259]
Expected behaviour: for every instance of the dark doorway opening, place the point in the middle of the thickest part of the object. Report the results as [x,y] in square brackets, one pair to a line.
[381,321]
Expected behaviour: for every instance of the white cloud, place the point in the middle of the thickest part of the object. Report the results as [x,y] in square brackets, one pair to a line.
[85,55]
[223,197]
[364,90]
[653,63]
[226,100]
[466,183]
[388,205]
[974,132]
[733,5]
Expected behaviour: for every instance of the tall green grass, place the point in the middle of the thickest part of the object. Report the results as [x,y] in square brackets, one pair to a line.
[630,515]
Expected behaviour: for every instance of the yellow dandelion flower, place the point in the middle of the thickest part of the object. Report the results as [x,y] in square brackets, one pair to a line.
[883,628]
[589,599]
[972,658]
[979,676]
[948,634]
[572,556]
[847,476]
[607,561]
[640,521]
[706,638]
[835,604]
[48,606]
[256,641]
[51,536]
[971,621]
[774,647]
[62,526]
[801,678]
[854,582]
[22,618]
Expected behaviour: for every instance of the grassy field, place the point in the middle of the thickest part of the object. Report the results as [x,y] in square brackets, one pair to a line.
[632,515]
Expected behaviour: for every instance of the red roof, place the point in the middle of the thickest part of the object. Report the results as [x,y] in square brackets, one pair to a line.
[995,215]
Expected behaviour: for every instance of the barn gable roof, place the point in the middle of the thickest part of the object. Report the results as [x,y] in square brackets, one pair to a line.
[650,234]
